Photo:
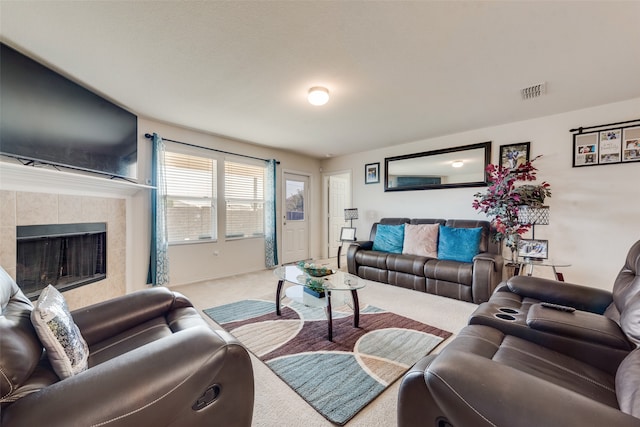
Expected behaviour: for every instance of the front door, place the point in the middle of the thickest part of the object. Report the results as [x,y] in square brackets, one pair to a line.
[295,230]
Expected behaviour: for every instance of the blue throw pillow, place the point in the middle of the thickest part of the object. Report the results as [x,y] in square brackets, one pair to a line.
[459,244]
[389,238]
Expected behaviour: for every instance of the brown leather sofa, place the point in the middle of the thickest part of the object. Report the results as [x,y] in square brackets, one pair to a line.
[153,361]
[473,282]
[530,365]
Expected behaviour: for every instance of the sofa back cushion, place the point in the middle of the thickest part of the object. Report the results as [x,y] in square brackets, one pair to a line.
[458,244]
[20,348]
[389,238]
[421,239]
[628,384]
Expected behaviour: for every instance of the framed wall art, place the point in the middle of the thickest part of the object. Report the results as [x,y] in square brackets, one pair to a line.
[606,144]
[514,155]
[372,173]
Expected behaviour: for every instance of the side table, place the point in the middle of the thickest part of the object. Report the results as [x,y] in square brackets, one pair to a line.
[521,263]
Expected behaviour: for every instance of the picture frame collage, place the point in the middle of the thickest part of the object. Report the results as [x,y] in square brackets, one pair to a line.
[612,145]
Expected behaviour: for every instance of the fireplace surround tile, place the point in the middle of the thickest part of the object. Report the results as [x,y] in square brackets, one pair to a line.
[44,208]
[69,209]
[8,208]
[36,208]
[8,249]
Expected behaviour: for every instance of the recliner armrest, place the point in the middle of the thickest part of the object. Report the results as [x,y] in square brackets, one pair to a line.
[583,298]
[106,319]
[156,384]
[581,325]
[488,393]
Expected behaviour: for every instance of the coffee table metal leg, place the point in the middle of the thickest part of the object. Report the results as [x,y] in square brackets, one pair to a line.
[356,308]
[278,292]
[329,316]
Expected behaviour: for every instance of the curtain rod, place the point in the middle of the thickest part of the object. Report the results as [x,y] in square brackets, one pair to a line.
[581,129]
[150,136]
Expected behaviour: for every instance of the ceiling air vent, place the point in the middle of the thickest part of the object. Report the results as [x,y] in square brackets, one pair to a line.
[533,91]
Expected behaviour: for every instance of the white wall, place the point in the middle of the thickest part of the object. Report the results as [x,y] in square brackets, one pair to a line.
[595,211]
[196,262]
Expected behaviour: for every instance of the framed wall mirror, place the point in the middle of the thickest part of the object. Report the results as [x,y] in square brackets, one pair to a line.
[455,167]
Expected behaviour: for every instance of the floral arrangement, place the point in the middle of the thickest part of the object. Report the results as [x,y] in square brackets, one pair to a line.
[503,198]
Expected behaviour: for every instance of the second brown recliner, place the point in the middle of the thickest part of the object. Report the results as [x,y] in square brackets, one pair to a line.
[600,324]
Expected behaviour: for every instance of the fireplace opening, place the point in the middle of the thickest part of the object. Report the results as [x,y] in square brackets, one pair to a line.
[63,255]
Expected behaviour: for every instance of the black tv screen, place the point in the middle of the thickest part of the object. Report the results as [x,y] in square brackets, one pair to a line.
[45,117]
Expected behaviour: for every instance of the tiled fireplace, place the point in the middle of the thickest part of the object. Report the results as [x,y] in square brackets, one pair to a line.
[18,208]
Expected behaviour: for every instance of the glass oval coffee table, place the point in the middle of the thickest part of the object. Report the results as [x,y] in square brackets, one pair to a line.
[339,281]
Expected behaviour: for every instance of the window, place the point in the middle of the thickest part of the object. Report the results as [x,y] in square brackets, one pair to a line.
[244,199]
[191,197]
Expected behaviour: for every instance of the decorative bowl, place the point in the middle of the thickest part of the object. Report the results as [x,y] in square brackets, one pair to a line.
[314,270]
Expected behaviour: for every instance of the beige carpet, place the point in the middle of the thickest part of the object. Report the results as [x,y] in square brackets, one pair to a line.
[278,405]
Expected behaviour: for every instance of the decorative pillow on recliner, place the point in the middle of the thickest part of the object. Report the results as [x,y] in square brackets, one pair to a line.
[628,384]
[421,239]
[389,238]
[459,244]
[66,348]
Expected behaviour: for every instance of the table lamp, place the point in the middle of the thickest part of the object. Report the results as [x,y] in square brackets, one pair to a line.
[534,216]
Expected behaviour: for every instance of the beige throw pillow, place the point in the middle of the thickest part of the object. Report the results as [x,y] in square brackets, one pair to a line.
[66,348]
[421,239]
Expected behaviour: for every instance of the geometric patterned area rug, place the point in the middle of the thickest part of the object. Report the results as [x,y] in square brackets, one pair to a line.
[337,378]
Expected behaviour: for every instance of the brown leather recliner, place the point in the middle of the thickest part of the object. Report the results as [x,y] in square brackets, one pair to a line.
[522,364]
[601,328]
[153,362]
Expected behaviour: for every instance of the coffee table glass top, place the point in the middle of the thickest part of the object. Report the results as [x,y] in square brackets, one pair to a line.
[339,281]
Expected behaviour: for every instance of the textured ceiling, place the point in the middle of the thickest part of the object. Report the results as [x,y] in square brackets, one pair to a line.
[397,71]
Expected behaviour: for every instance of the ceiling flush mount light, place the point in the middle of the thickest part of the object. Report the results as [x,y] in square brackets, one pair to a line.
[457,164]
[318,95]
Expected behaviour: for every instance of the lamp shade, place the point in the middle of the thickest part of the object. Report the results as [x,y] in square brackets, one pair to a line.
[351,213]
[533,215]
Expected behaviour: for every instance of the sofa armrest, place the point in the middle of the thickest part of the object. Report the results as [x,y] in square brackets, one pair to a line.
[106,319]
[488,393]
[583,298]
[354,247]
[487,273]
[155,385]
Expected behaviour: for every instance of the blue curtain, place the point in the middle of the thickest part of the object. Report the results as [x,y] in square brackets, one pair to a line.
[159,262]
[270,239]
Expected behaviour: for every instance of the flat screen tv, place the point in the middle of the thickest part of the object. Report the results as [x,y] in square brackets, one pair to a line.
[47,118]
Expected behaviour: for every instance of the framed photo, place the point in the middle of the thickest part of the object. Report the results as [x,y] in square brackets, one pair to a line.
[348,234]
[372,173]
[514,155]
[533,249]
[585,149]
[631,145]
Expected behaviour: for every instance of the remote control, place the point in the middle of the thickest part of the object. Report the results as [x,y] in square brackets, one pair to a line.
[558,307]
